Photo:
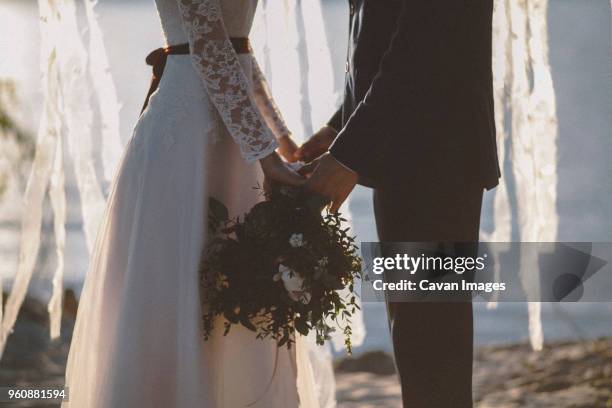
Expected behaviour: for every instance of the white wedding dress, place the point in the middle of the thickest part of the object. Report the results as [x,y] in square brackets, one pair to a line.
[137,341]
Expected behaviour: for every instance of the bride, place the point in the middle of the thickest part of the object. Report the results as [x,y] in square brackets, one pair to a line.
[210,129]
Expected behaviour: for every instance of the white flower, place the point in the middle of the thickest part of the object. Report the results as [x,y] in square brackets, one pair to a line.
[291,279]
[296,240]
[293,283]
[305,298]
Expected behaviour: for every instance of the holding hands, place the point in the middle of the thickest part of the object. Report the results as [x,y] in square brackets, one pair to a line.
[323,175]
[276,170]
[329,178]
[317,144]
[326,176]
[287,149]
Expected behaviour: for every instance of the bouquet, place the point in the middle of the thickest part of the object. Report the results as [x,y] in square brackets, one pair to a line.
[280,269]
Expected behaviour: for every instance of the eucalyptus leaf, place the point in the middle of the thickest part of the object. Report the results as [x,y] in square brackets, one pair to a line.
[316,203]
[217,209]
[246,322]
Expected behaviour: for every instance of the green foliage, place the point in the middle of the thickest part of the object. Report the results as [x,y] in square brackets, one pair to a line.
[8,126]
[11,133]
[240,278]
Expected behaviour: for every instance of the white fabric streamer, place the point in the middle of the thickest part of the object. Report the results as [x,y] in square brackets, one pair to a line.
[522,150]
[67,111]
[274,38]
[105,92]
[57,193]
[78,119]
[501,209]
[48,135]
[543,116]
[520,50]
[322,94]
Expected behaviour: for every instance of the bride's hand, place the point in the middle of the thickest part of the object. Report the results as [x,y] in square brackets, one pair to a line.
[317,144]
[287,148]
[276,171]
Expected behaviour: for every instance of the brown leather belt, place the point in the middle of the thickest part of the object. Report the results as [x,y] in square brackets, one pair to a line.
[157,59]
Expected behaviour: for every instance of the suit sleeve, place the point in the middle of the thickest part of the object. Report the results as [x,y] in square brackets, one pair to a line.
[416,61]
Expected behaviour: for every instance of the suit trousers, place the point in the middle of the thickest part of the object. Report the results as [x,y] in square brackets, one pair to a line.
[432,341]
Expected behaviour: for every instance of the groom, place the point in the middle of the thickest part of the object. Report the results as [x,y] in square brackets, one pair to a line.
[417,125]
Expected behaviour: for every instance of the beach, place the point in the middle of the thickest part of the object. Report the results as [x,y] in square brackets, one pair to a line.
[564,374]
[580,61]
[574,374]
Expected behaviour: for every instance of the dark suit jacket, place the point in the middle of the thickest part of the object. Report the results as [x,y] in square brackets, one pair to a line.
[419,97]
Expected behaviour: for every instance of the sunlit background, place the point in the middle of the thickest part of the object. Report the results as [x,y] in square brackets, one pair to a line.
[581,61]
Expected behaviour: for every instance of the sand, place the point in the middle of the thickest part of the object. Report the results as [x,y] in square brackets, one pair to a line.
[575,374]
[569,374]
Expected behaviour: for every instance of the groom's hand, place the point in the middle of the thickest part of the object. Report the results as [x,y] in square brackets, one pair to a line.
[332,180]
[317,144]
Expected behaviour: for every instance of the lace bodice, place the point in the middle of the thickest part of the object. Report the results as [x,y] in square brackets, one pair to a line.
[244,103]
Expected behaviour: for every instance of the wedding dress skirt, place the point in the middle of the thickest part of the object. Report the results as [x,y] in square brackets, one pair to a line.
[138,340]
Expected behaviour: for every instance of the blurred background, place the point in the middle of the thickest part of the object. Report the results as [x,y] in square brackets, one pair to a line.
[581,62]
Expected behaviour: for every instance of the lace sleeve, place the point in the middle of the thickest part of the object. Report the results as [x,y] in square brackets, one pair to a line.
[266,104]
[217,63]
